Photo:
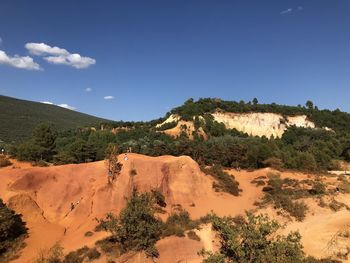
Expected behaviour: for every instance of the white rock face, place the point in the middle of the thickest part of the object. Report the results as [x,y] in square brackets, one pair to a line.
[261,124]
[171,118]
[255,123]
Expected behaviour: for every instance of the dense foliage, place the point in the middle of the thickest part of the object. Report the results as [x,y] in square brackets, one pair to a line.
[299,148]
[19,117]
[136,228]
[12,229]
[254,239]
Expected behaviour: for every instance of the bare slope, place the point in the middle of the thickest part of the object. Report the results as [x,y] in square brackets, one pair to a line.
[44,195]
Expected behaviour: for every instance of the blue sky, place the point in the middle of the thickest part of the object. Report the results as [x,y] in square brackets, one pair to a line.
[153,55]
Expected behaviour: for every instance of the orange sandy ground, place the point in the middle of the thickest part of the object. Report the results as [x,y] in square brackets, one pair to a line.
[43,196]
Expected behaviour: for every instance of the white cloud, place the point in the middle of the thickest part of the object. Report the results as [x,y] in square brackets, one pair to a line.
[74,60]
[289,10]
[63,105]
[43,49]
[66,106]
[16,61]
[108,97]
[56,55]
[88,89]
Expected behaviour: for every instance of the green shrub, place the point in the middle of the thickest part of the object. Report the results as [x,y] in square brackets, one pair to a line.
[109,246]
[54,255]
[335,205]
[159,198]
[283,193]
[133,172]
[89,234]
[136,228]
[318,188]
[258,182]
[4,161]
[167,126]
[93,254]
[254,239]
[224,181]
[344,186]
[81,254]
[40,163]
[192,235]
[12,231]
[177,223]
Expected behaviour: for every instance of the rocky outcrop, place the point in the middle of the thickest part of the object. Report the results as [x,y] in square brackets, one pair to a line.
[253,123]
[261,124]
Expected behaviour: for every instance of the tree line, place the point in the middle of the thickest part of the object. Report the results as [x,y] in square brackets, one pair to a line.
[299,148]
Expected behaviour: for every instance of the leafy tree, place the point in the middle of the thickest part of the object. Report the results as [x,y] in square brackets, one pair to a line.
[136,228]
[44,136]
[255,101]
[82,151]
[309,104]
[114,166]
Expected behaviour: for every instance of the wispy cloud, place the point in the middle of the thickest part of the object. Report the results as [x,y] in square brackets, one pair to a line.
[63,105]
[88,89]
[292,10]
[57,55]
[108,97]
[1,41]
[16,61]
[47,102]
[287,11]
[66,106]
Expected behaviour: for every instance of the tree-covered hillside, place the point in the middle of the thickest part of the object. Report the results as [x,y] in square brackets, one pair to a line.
[336,120]
[299,148]
[19,117]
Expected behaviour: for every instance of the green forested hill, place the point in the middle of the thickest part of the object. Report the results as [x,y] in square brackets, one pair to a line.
[19,117]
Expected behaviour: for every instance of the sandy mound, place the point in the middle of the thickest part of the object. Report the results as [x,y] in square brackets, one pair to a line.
[179,249]
[44,196]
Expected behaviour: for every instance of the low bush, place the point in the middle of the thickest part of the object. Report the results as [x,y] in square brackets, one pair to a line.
[93,254]
[133,172]
[283,194]
[4,161]
[54,255]
[192,235]
[254,239]
[12,232]
[258,182]
[81,255]
[109,246]
[177,223]
[335,205]
[344,186]
[224,181]
[89,234]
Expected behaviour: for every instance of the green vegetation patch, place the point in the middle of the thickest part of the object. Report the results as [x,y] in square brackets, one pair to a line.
[284,193]
[12,233]
[254,239]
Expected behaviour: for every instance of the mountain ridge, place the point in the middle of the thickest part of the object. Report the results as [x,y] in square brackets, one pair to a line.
[18,118]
